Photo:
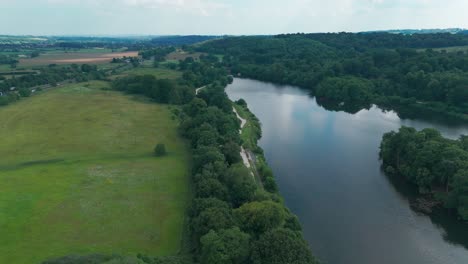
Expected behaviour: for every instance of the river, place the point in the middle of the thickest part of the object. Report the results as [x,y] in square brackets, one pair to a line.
[327,167]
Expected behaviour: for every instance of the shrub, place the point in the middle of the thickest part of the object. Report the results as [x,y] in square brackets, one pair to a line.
[160,150]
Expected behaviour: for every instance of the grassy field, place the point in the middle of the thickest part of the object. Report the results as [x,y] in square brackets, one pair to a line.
[77,176]
[79,57]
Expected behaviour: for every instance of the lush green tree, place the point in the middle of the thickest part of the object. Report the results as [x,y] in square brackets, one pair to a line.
[231,151]
[435,164]
[259,217]
[459,195]
[207,188]
[206,135]
[201,204]
[213,218]
[160,150]
[227,246]
[241,184]
[279,246]
[206,154]
[24,92]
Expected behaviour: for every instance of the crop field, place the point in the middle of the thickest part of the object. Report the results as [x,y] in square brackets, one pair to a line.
[77,176]
[62,57]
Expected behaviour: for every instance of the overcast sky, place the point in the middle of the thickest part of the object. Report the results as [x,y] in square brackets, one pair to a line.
[160,17]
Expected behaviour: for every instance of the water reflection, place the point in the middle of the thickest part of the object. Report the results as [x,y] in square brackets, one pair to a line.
[326,164]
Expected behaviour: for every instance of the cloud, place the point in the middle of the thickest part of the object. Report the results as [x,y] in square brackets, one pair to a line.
[202,7]
[227,16]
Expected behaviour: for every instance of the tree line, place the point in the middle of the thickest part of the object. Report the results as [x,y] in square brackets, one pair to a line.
[436,165]
[14,88]
[161,90]
[231,219]
[383,68]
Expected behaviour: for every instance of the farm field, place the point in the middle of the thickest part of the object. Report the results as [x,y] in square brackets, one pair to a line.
[77,176]
[61,57]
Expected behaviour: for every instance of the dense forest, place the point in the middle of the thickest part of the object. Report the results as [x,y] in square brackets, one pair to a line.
[436,165]
[352,71]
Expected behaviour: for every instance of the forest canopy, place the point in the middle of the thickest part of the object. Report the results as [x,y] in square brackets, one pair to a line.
[397,69]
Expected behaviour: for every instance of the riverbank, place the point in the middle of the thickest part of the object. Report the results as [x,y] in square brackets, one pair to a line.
[251,132]
[327,168]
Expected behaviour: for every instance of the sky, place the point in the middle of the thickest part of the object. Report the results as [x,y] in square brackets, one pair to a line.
[219,17]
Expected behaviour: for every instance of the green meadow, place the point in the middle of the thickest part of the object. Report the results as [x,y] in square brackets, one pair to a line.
[77,176]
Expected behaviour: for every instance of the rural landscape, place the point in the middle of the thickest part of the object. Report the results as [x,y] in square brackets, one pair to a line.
[281,148]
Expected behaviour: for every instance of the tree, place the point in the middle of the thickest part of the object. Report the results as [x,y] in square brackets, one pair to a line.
[231,151]
[160,150]
[240,184]
[227,246]
[213,218]
[259,217]
[201,204]
[35,54]
[206,135]
[280,246]
[206,154]
[24,92]
[207,188]
[459,195]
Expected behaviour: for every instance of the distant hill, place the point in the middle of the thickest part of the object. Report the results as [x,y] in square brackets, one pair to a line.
[420,31]
[180,40]
[369,40]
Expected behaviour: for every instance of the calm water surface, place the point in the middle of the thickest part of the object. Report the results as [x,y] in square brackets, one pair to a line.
[327,167]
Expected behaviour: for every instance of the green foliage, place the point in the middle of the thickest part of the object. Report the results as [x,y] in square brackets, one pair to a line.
[281,246]
[430,161]
[346,89]
[89,259]
[47,76]
[221,182]
[259,217]
[116,259]
[161,90]
[24,92]
[231,151]
[207,188]
[241,184]
[5,59]
[201,204]
[160,150]
[213,218]
[356,68]
[158,54]
[227,246]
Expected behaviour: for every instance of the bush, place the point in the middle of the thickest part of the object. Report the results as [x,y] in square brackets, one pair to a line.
[160,150]
[24,92]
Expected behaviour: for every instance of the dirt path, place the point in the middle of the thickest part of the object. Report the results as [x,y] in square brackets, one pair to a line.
[243,121]
[248,157]
[198,89]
